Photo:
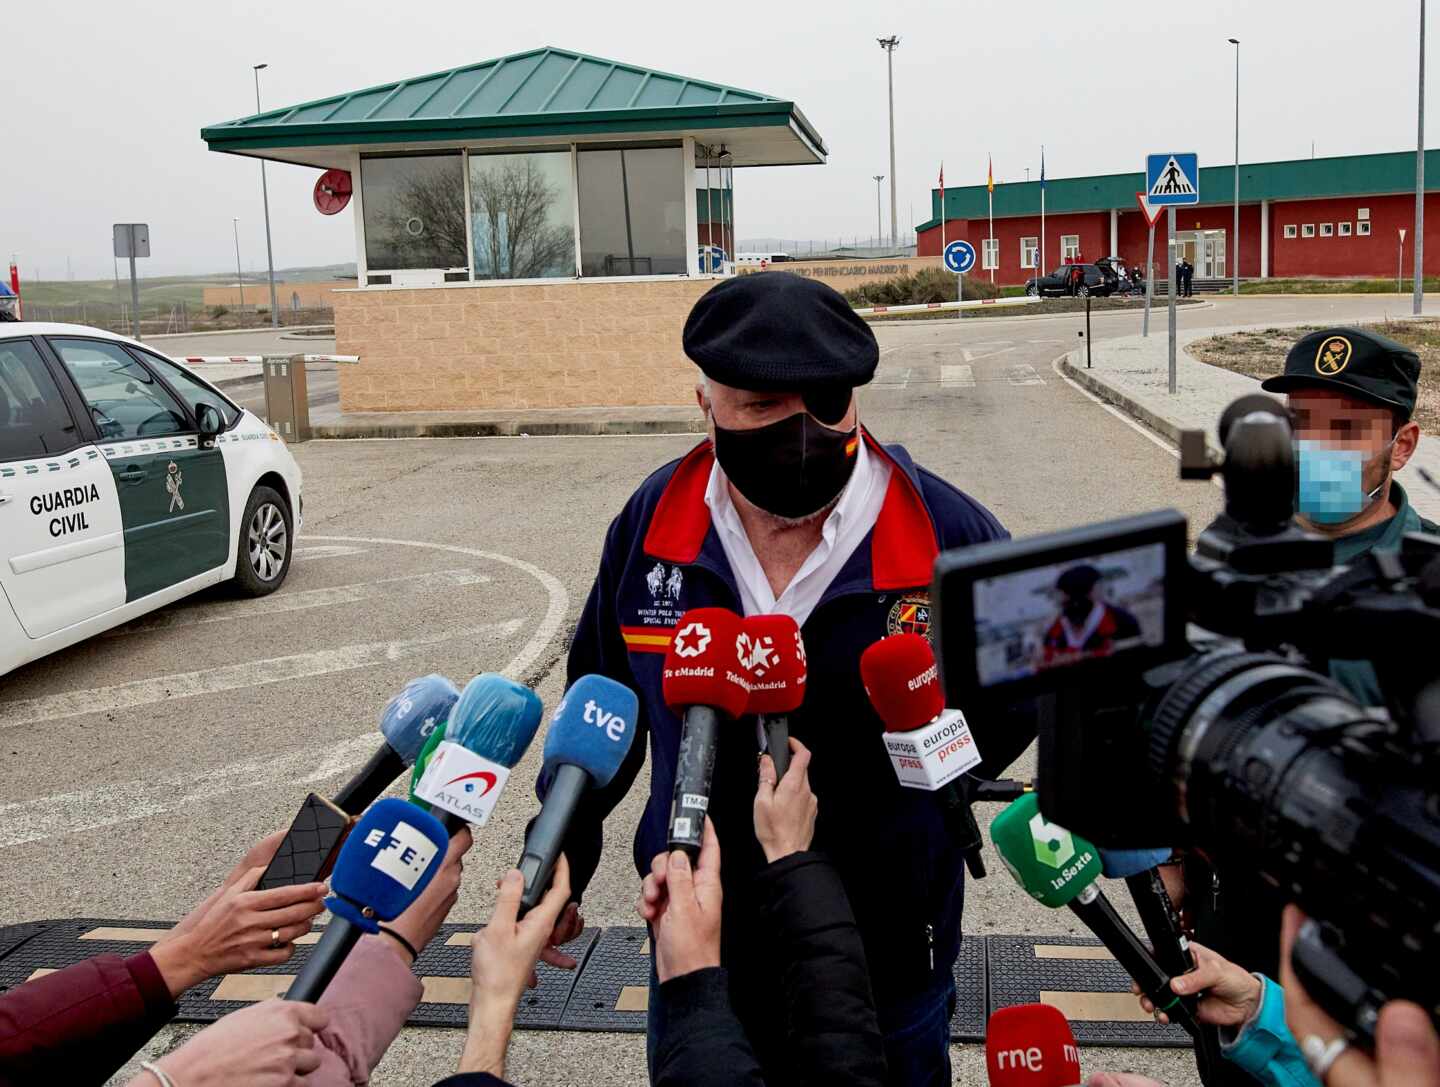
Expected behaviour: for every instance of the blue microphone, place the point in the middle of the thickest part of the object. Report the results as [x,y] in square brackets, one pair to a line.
[1121,863]
[489,730]
[408,719]
[384,866]
[590,735]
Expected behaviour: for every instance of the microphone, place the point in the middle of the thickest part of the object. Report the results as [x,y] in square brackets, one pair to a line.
[488,732]
[929,745]
[384,866]
[1124,863]
[701,681]
[590,734]
[775,658]
[406,723]
[1030,1045]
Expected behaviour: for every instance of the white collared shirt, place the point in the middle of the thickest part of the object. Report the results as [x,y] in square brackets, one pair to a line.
[844,529]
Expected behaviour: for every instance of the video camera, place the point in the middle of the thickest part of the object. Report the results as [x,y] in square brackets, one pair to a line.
[1186,701]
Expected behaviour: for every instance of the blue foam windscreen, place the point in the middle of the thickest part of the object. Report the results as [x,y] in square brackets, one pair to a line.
[1119,863]
[386,863]
[422,706]
[592,728]
[496,718]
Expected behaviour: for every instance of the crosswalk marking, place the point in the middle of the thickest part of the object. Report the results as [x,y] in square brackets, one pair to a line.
[957,376]
[891,377]
[1023,374]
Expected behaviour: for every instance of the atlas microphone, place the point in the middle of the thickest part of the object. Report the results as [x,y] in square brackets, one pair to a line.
[590,734]
[702,682]
[776,655]
[1031,1045]
[384,866]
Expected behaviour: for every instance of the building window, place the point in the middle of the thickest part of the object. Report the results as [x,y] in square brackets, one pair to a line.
[1069,247]
[1362,213]
[990,254]
[1344,229]
[522,215]
[1029,252]
[1327,230]
[1291,230]
[1308,230]
[414,211]
[1363,228]
[632,212]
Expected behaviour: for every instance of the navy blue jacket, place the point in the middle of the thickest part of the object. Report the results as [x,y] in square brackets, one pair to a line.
[903,876]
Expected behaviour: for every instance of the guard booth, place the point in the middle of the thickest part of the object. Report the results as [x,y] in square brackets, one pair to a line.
[530,231]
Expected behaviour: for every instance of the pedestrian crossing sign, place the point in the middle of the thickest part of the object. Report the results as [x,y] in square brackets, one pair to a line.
[1172,179]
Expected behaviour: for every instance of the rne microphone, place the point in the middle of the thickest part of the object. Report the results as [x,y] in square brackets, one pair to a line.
[702,680]
[590,734]
[775,653]
[489,730]
[928,744]
[1031,1045]
[384,866]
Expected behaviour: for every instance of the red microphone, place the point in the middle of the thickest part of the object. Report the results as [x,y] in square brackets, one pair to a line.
[928,744]
[1031,1045]
[703,679]
[774,655]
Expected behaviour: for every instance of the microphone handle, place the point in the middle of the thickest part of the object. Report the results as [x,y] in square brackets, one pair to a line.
[547,833]
[339,938]
[373,779]
[1162,926]
[777,739]
[448,819]
[693,770]
[1002,791]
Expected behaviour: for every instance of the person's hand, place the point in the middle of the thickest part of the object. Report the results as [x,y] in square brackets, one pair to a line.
[785,813]
[682,906]
[1407,1049]
[1231,993]
[426,914]
[270,1044]
[569,925]
[502,959]
[1121,1079]
[258,855]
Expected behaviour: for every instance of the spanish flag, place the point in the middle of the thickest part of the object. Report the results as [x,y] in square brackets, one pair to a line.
[990,176]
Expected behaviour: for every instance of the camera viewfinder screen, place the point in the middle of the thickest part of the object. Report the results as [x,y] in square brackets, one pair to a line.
[1030,621]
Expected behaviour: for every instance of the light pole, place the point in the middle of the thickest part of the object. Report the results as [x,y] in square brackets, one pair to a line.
[878,228]
[265,195]
[889,44]
[1419,246]
[1235,258]
[239,275]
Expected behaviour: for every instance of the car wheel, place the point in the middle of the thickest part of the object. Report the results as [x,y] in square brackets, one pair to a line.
[1083,291]
[266,531]
[1031,290]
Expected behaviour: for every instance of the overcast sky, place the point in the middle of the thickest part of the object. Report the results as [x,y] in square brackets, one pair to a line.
[103,102]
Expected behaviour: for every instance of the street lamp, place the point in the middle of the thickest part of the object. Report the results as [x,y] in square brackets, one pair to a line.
[265,194]
[889,45]
[878,228]
[239,275]
[1419,246]
[1235,259]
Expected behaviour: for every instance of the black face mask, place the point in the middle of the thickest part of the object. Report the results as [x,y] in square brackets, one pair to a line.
[791,468]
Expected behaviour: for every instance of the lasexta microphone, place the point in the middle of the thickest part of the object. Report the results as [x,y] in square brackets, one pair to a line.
[384,866]
[590,734]
[488,732]
[774,657]
[701,680]
[1031,1045]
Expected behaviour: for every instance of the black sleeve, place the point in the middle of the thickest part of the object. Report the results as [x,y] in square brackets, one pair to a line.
[703,1044]
[834,1035]
[473,1079]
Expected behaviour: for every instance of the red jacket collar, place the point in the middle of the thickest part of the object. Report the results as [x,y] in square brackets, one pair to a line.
[902,549]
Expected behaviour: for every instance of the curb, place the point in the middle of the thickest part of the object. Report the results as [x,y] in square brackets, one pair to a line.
[1095,315]
[1087,380]
[509,428]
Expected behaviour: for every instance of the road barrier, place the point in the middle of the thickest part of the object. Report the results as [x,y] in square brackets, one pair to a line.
[287,397]
[971,304]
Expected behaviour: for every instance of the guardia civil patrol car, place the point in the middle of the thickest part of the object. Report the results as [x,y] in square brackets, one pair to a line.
[126,483]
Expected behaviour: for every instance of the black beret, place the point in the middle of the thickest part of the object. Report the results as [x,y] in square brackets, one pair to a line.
[1078,580]
[1358,363]
[779,332]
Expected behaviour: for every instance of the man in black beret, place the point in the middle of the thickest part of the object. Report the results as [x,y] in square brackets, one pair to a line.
[791,506]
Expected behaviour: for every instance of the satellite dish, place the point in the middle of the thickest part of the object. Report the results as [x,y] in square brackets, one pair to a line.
[332,191]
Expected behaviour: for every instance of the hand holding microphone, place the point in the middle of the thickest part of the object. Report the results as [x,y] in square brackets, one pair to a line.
[774,656]
[270,1044]
[681,904]
[785,812]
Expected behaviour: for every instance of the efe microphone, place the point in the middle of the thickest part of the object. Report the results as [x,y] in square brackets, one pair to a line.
[1031,1045]
[775,659]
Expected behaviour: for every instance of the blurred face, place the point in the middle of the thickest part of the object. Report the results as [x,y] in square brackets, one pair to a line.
[1331,426]
[1337,421]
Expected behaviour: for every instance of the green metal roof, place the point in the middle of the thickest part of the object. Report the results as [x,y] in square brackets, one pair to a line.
[1296,179]
[543,92]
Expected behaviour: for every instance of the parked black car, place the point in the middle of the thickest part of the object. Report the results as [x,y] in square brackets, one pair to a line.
[1100,280]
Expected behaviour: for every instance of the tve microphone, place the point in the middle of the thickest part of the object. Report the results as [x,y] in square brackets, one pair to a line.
[488,732]
[1031,1045]
[384,866]
[774,655]
[928,744]
[702,682]
[590,734]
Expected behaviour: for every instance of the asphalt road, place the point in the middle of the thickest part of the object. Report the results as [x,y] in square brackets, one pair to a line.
[139,765]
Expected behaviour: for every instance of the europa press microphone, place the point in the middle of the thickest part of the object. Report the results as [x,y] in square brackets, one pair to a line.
[1031,1045]
[384,866]
[777,680]
[488,732]
[590,734]
[701,681]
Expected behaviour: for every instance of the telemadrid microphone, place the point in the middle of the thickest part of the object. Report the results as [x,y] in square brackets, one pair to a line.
[702,681]
[777,679]
[489,730]
[384,866]
[590,734]
[1031,1045]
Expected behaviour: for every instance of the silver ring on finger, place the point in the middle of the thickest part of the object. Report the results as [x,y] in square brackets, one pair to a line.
[1321,1055]
[274,939]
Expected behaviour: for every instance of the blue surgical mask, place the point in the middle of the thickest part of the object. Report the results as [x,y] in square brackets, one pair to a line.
[1332,483]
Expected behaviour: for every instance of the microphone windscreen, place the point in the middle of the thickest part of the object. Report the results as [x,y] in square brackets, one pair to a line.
[1119,863]
[902,681]
[774,659]
[1051,864]
[1031,1045]
[496,718]
[592,728]
[386,863]
[702,665]
[412,715]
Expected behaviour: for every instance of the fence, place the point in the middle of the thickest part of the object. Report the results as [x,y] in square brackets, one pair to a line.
[177,317]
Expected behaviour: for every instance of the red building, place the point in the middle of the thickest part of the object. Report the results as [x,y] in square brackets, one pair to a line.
[1331,217]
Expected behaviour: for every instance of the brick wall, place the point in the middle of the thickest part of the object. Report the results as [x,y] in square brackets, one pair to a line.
[573,344]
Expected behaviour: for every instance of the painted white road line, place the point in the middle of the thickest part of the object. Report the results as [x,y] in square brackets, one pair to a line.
[1131,423]
[957,376]
[145,692]
[972,356]
[308,554]
[303,600]
[891,377]
[1023,374]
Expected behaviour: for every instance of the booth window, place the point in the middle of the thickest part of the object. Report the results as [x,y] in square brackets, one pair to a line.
[522,215]
[414,211]
[632,212]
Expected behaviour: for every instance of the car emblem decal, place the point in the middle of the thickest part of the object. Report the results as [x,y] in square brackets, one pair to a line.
[173,478]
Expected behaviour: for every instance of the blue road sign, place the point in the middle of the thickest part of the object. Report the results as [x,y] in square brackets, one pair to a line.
[1172,178]
[959,257]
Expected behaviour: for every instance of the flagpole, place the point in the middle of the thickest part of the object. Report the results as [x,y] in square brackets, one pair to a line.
[992,234]
[1040,268]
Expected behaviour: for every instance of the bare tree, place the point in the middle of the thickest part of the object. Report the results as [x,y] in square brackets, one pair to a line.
[426,222]
[513,204]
